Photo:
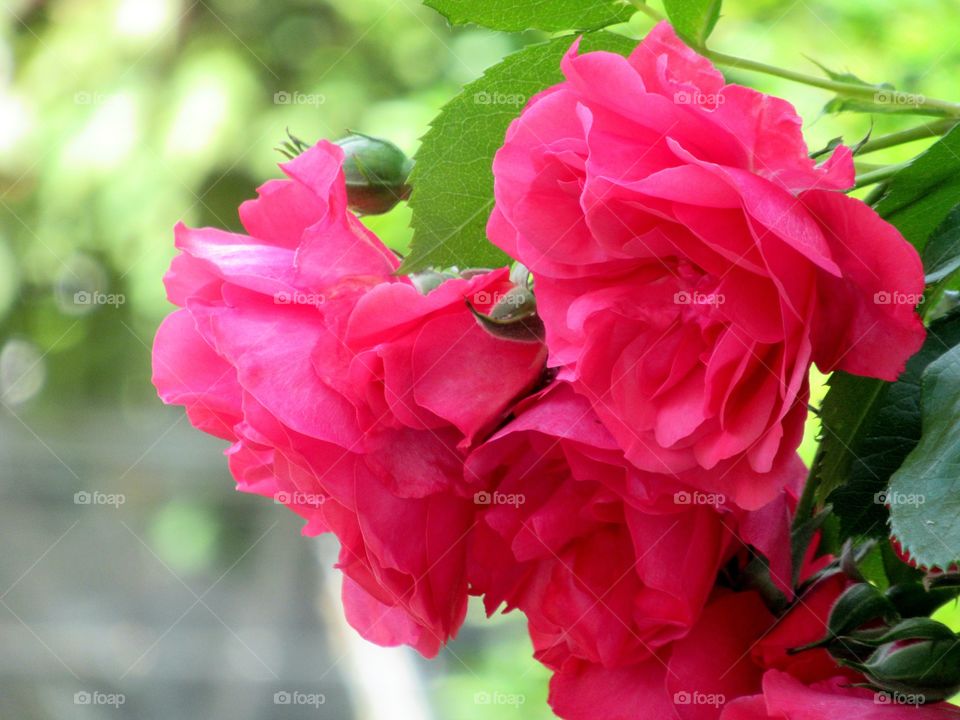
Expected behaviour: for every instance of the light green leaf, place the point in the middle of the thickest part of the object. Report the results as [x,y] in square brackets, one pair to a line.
[885,102]
[929,527]
[918,198]
[693,20]
[452,179]
[846,77]
[941,255]
[549,15]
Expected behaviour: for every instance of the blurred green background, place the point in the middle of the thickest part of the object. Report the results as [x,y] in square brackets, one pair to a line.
[120,117]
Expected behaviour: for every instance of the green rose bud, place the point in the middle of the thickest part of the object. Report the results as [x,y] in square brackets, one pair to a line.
[513,317]
[376,172]
[916,628]
[858,605]
[930,669]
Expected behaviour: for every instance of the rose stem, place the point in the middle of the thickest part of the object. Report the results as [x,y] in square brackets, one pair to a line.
[930,129]
[875,176]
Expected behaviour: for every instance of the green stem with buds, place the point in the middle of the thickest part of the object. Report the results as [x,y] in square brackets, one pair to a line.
[922,105]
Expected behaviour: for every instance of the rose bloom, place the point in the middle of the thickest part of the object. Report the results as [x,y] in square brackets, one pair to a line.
[784,698]
[605,578]
[733,665]
[345,393]
[638,606]
[691,261]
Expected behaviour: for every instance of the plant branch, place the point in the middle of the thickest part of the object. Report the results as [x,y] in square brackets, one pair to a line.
[642,6]
[918,103]
[930,129]
[879,175]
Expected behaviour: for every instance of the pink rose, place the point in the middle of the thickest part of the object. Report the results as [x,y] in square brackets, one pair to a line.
[785,698]
[691,262]
[733,665]
[604,577]
[346,394]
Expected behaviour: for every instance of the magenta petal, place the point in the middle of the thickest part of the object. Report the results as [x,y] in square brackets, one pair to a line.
[500,371]
[385,625]
[186,371]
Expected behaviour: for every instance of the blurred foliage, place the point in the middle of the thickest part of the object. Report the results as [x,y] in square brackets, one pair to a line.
[120,117]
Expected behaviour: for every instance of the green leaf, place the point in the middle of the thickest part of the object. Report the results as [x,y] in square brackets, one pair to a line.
[453,178]
[918,198]
[885,100]
[693,20]
[941,255]
[549,15]
[906,105]
[930,530]
[845,77]
[869,427]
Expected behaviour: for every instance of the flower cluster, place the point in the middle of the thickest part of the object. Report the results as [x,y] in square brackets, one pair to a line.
[629,482]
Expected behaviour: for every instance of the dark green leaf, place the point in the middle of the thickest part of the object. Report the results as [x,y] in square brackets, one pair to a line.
[941,256]
[453,180]
[912,600]
[918,198]
[549,15]
[693,20]
[869,427]
[929,529]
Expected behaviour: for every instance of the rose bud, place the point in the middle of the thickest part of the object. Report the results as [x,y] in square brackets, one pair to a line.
[860,604]
[513,317]
[429,280]
[916,628]
[929,668]
[376,173]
